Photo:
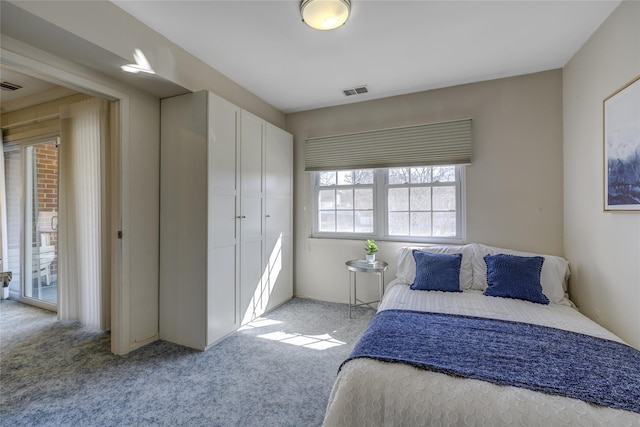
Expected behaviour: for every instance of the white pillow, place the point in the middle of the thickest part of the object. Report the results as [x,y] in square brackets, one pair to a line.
[554,276]
[406,272]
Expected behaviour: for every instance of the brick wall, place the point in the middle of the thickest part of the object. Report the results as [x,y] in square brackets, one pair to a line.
[47,163]
[47,167]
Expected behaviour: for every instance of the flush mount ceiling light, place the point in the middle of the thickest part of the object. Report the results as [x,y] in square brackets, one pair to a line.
[325,14]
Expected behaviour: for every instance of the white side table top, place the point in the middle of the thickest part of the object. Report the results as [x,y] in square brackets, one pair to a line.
[363,266]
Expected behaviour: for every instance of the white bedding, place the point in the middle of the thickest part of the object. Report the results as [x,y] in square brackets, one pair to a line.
[373,393]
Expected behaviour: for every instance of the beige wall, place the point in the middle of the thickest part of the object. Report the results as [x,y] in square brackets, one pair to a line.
[514,184]
[603,248]
[141,209]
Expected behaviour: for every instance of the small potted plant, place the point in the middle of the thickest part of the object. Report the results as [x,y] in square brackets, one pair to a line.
[371,248]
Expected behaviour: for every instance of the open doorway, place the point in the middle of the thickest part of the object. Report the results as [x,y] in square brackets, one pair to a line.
[134,183]
[58,211]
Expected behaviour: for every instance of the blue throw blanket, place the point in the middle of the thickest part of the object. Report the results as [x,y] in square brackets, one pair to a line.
[539,358]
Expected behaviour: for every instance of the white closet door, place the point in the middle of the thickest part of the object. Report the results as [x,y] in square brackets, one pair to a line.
[252,292]
[278,209]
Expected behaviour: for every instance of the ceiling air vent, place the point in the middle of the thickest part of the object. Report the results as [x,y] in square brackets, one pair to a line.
[9,86]
[355,91]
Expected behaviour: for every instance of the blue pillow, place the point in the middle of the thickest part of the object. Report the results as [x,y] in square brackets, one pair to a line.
[512,276]
[437,272]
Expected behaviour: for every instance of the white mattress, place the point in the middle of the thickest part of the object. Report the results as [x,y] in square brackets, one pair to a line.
[373,393]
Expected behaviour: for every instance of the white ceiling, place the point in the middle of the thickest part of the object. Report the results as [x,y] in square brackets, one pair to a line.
[30,86]
[33,91]
[393,47]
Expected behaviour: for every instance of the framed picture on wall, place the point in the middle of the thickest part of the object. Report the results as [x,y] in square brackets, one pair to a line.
[621,116]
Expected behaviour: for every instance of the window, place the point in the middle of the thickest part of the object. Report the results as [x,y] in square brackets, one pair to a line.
[413,203]
[345,201]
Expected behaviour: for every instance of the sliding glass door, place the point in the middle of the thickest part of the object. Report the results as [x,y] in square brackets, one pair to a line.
[31,188]
[40,180]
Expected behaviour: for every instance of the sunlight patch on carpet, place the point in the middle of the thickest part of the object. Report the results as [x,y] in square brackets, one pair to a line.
[315,342]
[259,323]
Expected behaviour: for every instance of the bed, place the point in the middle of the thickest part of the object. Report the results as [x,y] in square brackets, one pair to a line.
[374,389]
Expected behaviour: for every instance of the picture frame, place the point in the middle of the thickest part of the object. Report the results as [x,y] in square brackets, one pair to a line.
[621,146]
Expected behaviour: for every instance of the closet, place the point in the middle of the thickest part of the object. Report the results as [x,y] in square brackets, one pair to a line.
[225,218]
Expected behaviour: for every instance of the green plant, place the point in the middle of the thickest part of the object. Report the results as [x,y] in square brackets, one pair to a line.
[371,247]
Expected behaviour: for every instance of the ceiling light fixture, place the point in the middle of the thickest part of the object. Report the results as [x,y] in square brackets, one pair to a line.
[325,14]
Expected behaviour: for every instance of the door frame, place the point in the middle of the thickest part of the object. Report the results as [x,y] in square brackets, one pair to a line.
[48,71]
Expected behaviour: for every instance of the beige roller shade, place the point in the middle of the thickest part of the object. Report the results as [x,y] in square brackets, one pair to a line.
[446,143]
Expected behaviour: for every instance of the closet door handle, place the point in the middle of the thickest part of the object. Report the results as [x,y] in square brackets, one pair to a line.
[241,217]
[267,216]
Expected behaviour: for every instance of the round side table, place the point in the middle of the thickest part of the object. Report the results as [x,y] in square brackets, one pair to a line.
[361,266]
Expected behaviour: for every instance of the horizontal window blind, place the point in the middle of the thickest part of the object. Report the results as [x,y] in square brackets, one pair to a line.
[446,143]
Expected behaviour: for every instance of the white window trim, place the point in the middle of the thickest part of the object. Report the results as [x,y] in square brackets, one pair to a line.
[380,205]
[342,235]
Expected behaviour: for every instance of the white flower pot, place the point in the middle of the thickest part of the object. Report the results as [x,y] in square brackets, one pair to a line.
[5,292]
[371,258]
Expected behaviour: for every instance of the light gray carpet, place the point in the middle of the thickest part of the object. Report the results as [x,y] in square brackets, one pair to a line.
[62,374]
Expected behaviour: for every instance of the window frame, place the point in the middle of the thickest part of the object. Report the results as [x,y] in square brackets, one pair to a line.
[316,210]
[380,210]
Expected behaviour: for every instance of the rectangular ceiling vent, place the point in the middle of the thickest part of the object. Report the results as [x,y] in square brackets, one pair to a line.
[9,86]
[355,91]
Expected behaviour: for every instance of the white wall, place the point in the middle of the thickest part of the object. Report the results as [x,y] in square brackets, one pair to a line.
[514,184]
[604,248]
